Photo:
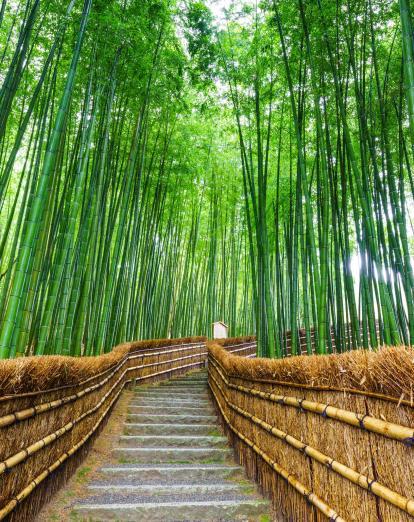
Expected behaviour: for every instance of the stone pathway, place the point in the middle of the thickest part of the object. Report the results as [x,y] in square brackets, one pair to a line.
[174,464]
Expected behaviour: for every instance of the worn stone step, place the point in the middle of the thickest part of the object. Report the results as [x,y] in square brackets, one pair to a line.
[171,419]
[170,472]
[186,384]
[174,464]
[169,488]
[165,395]
[199,376]
[168,401]
[172,454]
[176,410]
[170,508]
[188,441]
[180,390]
[177,396]
[132,428]
[176,392]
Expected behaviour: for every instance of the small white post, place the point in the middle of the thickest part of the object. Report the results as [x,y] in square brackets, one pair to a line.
[220,330]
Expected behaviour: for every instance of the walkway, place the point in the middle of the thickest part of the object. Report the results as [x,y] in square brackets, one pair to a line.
[174,464]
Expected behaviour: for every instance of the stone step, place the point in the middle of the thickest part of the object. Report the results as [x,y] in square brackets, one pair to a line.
[199,376]
[133,428]
[175,441]
[171,454]
[167,401]
[163,508]
[180,390]
[171,396]
[170,472]
[171,419]
[179,465]
[169,488]
[180,393]
[175,410]
[186,384]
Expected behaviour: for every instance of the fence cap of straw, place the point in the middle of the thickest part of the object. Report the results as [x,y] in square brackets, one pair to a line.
[388,371]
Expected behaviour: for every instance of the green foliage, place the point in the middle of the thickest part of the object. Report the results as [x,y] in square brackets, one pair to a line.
[199,34]
[159,172]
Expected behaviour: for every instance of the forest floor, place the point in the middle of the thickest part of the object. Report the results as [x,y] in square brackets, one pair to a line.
[60,507]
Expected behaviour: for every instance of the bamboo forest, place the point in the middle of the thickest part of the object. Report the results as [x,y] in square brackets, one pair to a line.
[206,260]
[164,166]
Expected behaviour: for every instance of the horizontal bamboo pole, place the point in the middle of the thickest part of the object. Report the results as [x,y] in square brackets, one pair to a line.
[241,349]
[191,345]
[293,481]
[143,377]
[27,413]
[113,368]
[367,483]
[250,343]
[353,391]
[359,420]
[158,363]
[186,347]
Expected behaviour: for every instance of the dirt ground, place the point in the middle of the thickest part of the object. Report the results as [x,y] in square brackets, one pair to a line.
[60,506]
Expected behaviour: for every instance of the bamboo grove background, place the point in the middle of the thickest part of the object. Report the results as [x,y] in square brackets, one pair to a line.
[160,169]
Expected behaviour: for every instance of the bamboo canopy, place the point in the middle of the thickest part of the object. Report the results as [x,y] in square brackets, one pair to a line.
[162,166]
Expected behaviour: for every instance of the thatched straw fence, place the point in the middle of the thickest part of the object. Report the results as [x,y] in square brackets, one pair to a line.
[52,408]
[325,436]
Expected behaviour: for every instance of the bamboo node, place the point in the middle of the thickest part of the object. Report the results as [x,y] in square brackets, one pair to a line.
[324,413]
[361,420]
[409,441]
[300,401]
[308,496]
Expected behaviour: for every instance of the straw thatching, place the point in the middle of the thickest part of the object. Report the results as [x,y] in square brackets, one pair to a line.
[52,408]
[323,434]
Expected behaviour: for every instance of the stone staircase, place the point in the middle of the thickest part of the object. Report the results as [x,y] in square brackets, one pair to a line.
[174,464]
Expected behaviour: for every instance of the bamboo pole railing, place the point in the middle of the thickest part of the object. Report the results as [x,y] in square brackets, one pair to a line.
[303,490]
[355,477]
[359,420]
[257,409]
